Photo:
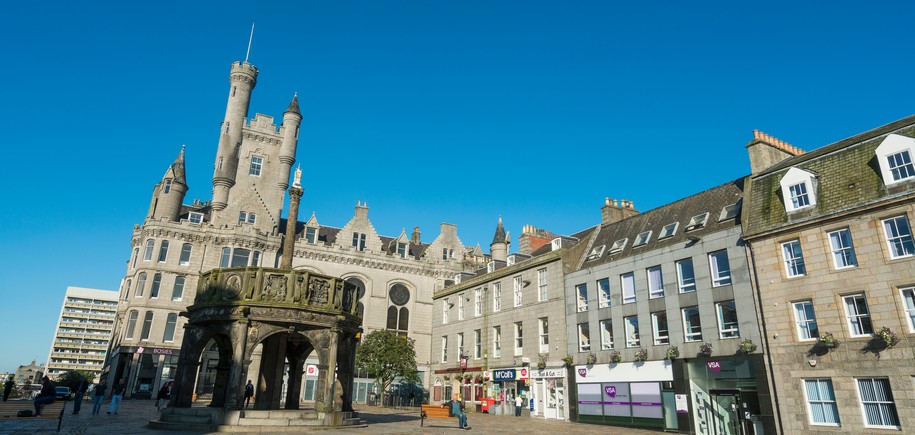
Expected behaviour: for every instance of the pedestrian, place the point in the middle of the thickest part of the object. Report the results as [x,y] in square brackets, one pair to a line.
[457,409]
[8,388]
[98,396]
[45,396]
[80,392]
[249,393]
[164,393]
[117,392]
[518,402]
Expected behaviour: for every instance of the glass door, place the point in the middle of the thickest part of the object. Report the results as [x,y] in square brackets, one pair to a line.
[726,420]
[560,403]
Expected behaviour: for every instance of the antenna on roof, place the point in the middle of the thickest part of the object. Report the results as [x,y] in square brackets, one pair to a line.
[250,38]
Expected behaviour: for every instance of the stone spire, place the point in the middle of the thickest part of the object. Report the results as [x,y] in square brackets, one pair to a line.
[294,105]
[498,249]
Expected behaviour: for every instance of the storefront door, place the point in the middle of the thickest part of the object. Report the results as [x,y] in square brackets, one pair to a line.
[725,408]
[560,403]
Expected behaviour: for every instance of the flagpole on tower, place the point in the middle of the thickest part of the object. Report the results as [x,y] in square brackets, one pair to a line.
[250,38]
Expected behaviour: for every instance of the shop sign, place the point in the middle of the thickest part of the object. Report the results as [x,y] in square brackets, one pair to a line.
[522,374]
[157,350]
[486,375]
[311,370]
[682,405]
[548,373]
[610,390]
[583,372]
[714,366]
[503,375]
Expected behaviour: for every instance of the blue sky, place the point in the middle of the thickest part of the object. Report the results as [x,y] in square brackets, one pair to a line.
[446,111]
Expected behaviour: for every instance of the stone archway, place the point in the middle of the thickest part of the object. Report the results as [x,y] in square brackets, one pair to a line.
[291,314]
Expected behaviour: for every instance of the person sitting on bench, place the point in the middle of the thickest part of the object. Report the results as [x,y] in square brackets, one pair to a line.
[45,396]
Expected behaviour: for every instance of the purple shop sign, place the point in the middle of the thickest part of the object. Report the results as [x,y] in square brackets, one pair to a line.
[583,372]
[610,390]
[714,366]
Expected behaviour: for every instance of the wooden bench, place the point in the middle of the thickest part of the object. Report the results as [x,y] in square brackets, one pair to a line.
[10,408]
[432,411]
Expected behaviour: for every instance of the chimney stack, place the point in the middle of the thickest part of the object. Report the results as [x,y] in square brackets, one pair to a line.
[615,211]
[415,236]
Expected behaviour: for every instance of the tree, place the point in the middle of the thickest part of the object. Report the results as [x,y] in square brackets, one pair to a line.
[71,378]
[385,356]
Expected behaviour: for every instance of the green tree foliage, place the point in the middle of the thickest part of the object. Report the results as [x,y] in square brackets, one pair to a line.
[385,356]
[72,377]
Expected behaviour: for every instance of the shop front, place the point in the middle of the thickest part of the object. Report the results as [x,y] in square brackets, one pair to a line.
[548,393]
[145,369]
[508,383]
[627,394]
[722,394]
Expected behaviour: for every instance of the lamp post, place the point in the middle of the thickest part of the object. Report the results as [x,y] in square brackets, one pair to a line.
[463,360]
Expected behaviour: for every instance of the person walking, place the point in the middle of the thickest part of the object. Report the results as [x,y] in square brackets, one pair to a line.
[45,396]
[117,392]
[98,396]
[457,410]
[164,393]
[80,392]
[249,393]
[518,403]
[8,388]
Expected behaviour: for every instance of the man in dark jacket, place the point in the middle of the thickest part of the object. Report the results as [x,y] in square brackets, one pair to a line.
[8,388]
[99,397]
[45,396]
[80,392]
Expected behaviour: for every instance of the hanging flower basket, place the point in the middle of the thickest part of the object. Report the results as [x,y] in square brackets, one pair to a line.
[828,341]
[478,379]
[541,364]
[568,360]
[467,379]
[673,353]
[888,336]
[747,346]
[641,355]
[615,357]
[446,377]
[592,358]
[705,349]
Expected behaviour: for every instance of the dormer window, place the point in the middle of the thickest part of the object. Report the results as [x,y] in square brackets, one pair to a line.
[798,189]
[729,212]
[697,221]
[257,163]
[402,250]
[641,239]
[596,253]
[195,218]
[311,235]
[669,230]
[556,244]
[359,241]
[618,246]
[457,278]
[491,267]
[895,156]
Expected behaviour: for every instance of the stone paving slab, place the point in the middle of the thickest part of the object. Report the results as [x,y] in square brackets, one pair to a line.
[135,414]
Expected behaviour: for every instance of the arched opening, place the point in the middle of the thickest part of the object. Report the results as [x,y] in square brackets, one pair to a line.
[279,372]
[213,373]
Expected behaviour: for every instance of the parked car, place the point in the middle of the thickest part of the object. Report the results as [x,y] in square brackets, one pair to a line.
[62,393]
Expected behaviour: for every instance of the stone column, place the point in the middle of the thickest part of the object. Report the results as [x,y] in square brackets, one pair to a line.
[331,371]
[235,385]
[294,386]
[270,381]
[295,195]
[185,380]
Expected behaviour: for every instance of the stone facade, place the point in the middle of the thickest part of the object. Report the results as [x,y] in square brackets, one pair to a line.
[828,267]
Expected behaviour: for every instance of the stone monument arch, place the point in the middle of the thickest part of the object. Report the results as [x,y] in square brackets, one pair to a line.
[292,314]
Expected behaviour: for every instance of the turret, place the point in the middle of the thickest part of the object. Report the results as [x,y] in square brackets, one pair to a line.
[168,195]
[498,249]
[242,79]
[292,119]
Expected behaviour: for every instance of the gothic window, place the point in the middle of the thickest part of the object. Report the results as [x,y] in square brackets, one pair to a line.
[398,315]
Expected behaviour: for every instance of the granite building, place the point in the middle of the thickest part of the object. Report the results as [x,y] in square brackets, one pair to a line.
[830,233]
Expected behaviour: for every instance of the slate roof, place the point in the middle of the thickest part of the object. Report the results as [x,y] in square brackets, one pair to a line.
[294,105]
[712,201]
[328,236]
[848,177]
[499,237]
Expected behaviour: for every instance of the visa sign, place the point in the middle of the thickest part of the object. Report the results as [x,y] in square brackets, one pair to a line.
[714,366]
[503,375]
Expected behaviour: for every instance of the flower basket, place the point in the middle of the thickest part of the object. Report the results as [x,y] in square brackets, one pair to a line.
[747,346]
[888,336]
[641,355]
[541,364]
[705,349]
[467,379]
[673,353]
[828,341]
[478,379]
[446,377]
[592,358]
[615,357]
[568,360]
